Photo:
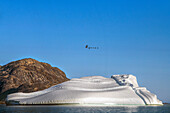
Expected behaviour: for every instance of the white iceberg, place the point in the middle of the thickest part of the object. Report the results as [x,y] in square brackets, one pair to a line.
[117,90]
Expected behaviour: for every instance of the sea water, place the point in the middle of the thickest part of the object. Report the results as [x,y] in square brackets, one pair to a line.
[84,109]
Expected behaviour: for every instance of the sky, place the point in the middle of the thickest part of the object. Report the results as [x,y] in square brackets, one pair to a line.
[133,37]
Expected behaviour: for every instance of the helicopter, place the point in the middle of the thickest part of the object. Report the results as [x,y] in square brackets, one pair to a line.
[91,47]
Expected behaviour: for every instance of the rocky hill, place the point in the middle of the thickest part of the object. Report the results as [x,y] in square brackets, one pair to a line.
[28,75]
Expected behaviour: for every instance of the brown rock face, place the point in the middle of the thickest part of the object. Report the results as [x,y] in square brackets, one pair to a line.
[28,75]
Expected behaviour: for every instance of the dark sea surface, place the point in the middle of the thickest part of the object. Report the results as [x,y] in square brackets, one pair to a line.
[84,109]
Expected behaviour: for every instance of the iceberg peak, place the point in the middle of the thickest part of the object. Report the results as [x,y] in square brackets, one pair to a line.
[126,79]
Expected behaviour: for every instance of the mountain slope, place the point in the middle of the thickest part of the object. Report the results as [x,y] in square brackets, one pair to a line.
[28,75]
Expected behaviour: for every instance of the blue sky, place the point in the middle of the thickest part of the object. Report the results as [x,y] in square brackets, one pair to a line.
[133,37]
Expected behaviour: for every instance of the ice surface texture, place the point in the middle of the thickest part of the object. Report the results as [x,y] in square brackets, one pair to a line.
[117,90]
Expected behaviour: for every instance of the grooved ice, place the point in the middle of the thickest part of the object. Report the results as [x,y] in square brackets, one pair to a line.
[117,90]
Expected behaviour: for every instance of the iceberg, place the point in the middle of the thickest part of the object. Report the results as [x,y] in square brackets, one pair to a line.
[117,90]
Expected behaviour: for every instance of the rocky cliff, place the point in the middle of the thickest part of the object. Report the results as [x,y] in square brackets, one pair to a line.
[28,75]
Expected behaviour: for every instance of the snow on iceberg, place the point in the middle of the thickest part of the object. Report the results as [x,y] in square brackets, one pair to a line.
[117,90]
